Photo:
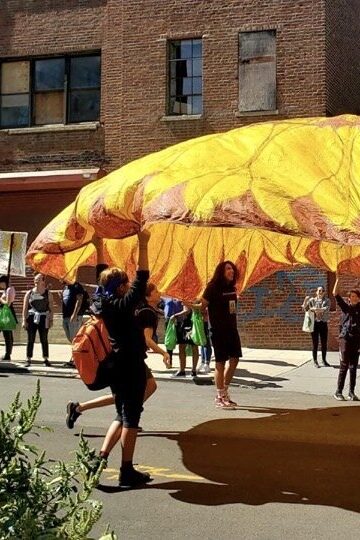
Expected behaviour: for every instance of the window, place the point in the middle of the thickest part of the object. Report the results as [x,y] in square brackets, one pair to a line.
[185,77]
[50,91]
[257,71]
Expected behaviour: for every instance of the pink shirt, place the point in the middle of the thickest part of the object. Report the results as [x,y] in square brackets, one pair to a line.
[8,295]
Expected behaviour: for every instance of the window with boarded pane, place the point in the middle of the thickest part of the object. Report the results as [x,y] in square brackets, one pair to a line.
[257,71]
[50,91]
[15,94]
[185,77]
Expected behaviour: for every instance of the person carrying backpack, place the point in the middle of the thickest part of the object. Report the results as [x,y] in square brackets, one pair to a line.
[349,341]
[117,307]
[73,307]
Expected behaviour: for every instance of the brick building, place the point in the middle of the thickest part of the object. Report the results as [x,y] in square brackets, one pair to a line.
[88,85]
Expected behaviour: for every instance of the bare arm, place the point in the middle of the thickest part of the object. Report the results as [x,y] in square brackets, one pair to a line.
[202,304]
[51,308]
[25,309]
[305,304]
[143,259]
[151,344]
[77,307]
[336,286]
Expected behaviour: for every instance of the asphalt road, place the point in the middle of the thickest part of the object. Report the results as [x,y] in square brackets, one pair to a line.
[284,465]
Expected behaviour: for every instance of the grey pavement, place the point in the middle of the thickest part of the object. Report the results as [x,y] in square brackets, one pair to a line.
[287,370]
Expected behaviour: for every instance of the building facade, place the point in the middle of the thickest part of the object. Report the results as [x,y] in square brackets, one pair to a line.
[89,85]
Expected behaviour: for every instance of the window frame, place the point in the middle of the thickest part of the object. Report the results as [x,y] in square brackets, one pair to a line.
[169,62]
[66,89]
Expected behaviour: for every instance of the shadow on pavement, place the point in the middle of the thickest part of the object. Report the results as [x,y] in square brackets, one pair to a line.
[288,456]
[271,362]
[242,377]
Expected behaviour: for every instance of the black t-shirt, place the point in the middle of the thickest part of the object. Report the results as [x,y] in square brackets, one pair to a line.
[222,307]
[349,320]
[119,315]
[69,294]
[147,317]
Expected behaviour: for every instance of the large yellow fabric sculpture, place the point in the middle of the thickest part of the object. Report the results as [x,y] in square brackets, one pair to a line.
[267,196]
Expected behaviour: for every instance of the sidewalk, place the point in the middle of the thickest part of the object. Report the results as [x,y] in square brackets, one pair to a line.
[258,368]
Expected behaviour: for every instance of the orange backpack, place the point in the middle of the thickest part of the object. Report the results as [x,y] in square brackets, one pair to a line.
[90,348]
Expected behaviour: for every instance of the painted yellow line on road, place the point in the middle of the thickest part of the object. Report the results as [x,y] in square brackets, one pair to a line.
[113,474]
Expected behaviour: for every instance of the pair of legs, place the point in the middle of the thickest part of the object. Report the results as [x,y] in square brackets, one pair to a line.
[182,357]
[9,341]
[320,332]
[349,360]
[227,348]
[206,349]
[32,328]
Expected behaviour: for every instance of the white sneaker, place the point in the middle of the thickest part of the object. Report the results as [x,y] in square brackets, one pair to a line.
[202,368]
[207,369]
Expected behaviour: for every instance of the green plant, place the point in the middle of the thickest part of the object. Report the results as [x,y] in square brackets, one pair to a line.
[40,499]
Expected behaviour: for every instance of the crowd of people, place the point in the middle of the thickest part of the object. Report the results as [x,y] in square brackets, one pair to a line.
[130,312]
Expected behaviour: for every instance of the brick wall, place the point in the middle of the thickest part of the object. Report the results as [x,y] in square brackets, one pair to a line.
[271,313]
[45,28]
[342,56]
[135,63]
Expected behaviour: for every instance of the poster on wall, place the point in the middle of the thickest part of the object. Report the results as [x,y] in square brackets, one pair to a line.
[12,252]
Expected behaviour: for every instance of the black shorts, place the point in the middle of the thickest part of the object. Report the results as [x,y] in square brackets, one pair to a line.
[226,344]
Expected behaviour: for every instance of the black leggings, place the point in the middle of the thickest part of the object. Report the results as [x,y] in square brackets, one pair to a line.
[349,359]
[320,331]
[32,328]
[9,341]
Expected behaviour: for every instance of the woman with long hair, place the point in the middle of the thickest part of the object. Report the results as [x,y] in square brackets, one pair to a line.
[38,314]
[319,305]
[220,298]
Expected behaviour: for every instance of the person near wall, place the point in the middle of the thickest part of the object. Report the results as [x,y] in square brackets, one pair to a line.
[171,306]
[183,323]
[349,341]
[319,305]
[37,315]
[7,297]
[220,297]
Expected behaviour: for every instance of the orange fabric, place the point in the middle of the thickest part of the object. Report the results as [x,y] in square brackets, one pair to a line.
[90,347]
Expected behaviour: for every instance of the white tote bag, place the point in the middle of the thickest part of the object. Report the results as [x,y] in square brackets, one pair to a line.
[309,321]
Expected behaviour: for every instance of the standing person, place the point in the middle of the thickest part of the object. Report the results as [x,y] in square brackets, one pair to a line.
[349,341]
[221,300]
[320,306]
[37,315]
[147,316]
[7,298]
[183,337]
[117,307]
[171,307]
[72,303]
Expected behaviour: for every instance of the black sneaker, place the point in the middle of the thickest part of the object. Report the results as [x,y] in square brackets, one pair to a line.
[28,362]
[70,364]
[339,396]
[193,373]
[47,363]
[326,364]
[133,478]
[6,357]
[352,397]
[179,374]
[316,364]
[72,414]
